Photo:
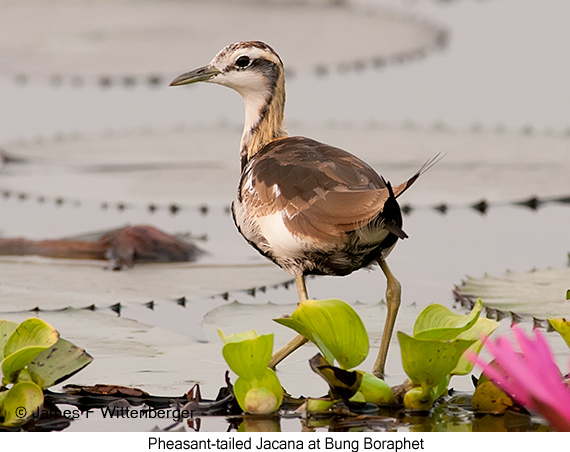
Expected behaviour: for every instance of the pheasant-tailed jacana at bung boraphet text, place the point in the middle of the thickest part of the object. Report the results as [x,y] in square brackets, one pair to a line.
[311,208]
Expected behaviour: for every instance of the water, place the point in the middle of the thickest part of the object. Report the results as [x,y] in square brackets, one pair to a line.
[505,65]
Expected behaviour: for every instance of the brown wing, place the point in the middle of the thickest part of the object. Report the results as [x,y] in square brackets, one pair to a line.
[324,190]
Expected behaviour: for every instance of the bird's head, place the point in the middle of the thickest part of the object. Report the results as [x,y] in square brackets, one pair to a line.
[246,66]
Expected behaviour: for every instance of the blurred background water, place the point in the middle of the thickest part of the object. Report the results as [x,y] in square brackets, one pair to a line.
[418,74]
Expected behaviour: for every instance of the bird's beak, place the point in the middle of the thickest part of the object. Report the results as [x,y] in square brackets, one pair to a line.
[202,74]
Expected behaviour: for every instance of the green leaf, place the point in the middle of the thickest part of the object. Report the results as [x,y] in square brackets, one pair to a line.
[248,357]
[238,337]
[29,339]
[334,327]
[439,323]
[483,327]
[419,399]
[428,362]
[58,363]
[20,402]
[343,384]
[563,328]
[321,405]
[261,396]
[6,329]
[32,332]
[441,388]
[488,398]
[375,390]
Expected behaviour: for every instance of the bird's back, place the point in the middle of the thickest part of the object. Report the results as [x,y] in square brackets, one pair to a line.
[311,206]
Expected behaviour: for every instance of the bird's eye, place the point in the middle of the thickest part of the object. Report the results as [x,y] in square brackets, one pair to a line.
[243,61]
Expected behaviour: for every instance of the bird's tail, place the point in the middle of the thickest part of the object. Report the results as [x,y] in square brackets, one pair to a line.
[399,189]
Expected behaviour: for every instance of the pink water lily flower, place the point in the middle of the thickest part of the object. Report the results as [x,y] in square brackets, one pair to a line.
[531,377]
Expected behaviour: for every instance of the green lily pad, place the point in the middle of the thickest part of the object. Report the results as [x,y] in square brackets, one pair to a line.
[538,293]
[58,363]
[427,362]
[334,327]
[29,339]
[20,402]
[439,323]
[249,357]
[563,328]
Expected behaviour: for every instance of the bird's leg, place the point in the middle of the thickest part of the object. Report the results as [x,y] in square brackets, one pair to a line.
[301,288]
[393,297]
[298,340]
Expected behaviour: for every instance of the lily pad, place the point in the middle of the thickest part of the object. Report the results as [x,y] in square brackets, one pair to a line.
[62,283]
[80,41]
[538,293]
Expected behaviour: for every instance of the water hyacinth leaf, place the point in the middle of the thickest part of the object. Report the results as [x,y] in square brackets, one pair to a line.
[562,326]
[343,384]
[58,363]
[375,390]
[334,327]
[249,357]
[32,332]
[24,375]
[427,362]
[441,388]
[419,399]
[6,329]
[28,340]
[238,337]
[20,402]
[261,396]
[321,405]
[483,327]
[488,398]
[439,323]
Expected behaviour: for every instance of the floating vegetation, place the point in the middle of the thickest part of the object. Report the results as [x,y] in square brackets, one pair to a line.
[33,357]
[536,294]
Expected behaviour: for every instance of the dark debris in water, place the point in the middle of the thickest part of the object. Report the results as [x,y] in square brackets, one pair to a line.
[122,247]
[450,413]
